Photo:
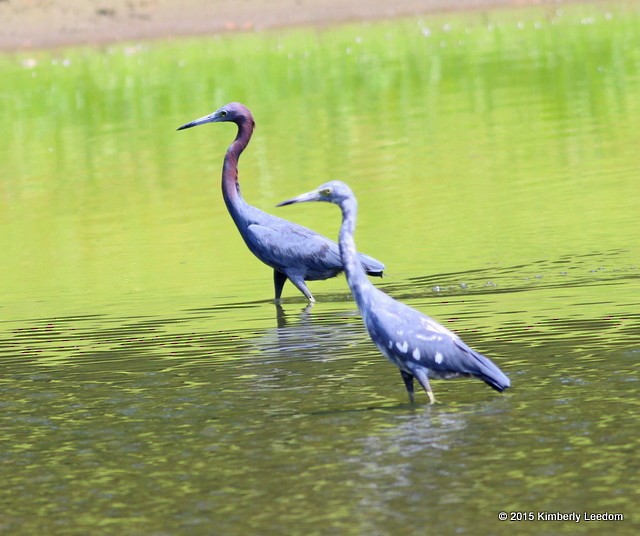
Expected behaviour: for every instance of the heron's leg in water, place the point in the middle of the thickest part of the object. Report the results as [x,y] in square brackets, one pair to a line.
[301,286]
[279,279]
[421,376]
[408,383]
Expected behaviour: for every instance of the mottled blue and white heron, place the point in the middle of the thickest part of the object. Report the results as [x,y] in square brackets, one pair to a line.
[294,252]
[419,346]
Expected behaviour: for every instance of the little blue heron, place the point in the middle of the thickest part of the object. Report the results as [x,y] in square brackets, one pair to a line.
[294,252]
[416,344]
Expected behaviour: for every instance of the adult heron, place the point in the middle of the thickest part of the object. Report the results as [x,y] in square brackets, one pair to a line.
[419,346]
[294,252]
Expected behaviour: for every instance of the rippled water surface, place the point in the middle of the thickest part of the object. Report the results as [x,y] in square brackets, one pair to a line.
[148,385]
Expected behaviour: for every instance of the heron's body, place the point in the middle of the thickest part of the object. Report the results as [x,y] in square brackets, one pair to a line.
[278,243]
[422,348]
[419,346]
[293,251]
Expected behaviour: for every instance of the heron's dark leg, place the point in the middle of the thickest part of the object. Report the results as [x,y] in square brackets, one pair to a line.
[422,378]
[279,279]
[302,287]
[408,383]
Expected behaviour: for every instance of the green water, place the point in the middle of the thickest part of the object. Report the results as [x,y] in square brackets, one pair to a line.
[149,386]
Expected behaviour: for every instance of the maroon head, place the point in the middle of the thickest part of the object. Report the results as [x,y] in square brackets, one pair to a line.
[234,111]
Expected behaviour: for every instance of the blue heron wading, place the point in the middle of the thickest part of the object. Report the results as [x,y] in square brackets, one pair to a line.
[294,252]
[416,344]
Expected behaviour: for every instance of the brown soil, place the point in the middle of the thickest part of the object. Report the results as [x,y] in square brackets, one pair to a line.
[33,24]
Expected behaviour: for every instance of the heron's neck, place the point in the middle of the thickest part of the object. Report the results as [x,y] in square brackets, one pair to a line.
[230,184]
[356,276]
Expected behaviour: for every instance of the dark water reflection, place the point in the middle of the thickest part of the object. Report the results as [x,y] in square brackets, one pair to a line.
[165,427]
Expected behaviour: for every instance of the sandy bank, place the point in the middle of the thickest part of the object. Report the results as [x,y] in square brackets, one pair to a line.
[33,24]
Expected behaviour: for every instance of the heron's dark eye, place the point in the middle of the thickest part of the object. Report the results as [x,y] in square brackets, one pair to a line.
[223,113]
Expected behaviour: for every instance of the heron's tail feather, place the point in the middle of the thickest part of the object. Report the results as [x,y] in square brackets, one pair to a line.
[371,265]
[491,374]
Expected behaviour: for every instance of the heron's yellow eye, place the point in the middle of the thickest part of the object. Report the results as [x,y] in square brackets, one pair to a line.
[325,192]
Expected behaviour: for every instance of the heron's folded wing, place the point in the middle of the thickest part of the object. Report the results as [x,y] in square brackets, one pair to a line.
[291,246]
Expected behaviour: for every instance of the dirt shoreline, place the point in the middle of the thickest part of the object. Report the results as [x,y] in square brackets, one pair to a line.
[38,24]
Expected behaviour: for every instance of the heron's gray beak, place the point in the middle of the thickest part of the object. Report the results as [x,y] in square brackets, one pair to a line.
[309,196]
[211,118]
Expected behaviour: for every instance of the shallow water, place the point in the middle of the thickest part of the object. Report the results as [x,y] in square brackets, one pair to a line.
[149,386]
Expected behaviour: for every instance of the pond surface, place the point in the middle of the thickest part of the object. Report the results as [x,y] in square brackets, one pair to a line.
[148,385]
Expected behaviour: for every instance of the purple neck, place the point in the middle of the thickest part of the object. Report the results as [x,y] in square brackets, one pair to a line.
[230,186]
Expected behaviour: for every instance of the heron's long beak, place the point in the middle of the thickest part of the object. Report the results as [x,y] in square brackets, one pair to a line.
[211,118]
[309,196]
